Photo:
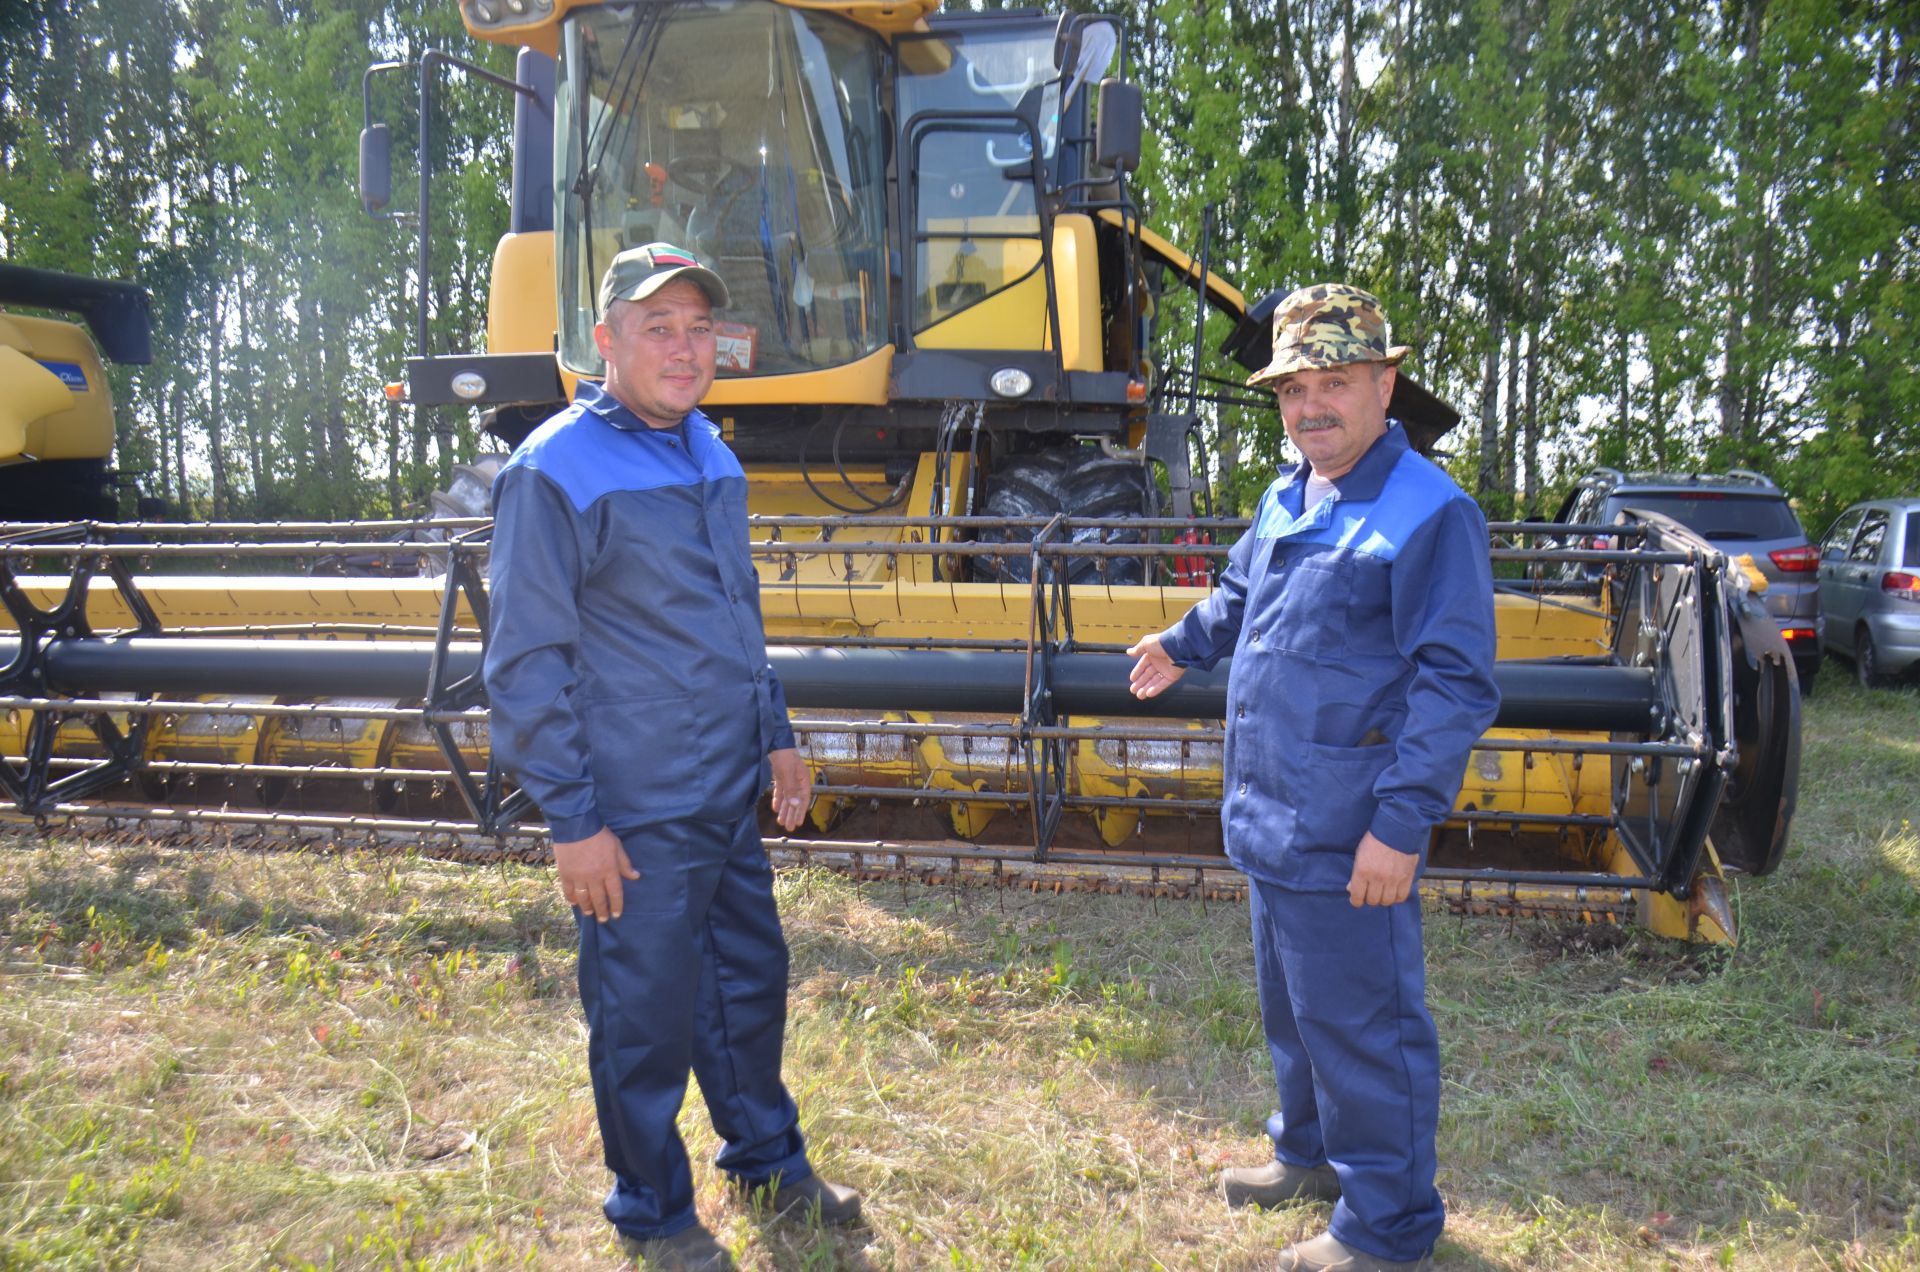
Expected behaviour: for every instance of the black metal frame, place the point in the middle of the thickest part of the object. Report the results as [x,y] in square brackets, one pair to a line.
[493,804]
[33,788]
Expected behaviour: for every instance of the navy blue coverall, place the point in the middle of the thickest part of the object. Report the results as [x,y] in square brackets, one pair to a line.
[1362,636]
[627,670]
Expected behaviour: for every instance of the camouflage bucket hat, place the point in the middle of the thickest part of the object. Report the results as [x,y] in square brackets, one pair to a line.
[1327,325]
[639,272]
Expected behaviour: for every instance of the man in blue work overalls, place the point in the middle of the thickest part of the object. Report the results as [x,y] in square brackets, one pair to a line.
[632,698]
[1359,614]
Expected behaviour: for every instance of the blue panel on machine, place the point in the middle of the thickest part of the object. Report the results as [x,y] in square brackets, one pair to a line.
[71,374]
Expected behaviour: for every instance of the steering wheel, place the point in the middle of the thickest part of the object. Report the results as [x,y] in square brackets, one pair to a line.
[702,174]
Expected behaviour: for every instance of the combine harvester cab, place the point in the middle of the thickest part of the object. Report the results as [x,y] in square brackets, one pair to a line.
[971,480]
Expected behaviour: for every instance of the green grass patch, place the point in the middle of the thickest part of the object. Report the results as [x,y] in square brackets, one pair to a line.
[225,1059]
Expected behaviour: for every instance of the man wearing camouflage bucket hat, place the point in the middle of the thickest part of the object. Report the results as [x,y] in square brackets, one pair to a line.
[633,700]
[1358,612]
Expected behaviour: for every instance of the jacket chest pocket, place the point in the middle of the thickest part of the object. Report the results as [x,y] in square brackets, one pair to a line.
[1310,616]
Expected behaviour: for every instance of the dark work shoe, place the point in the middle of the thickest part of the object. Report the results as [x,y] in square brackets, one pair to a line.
[688,1250]
[808,1197]
[1326,1253]
[1278,1183]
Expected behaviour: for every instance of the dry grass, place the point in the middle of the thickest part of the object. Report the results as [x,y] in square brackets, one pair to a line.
[224,1059]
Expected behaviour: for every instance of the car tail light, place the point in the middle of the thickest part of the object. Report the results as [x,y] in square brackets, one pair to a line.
[1794,635]
[1796,560]
[1900,584]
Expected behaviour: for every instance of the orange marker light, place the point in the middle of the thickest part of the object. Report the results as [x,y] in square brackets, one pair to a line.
[395,392]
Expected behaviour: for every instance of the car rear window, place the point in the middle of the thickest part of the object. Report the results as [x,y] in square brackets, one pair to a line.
[1912,553]
[1713,514]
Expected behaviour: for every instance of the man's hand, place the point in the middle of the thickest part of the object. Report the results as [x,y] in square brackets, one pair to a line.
[792,787]
[590,873]
[1156,672]
[1381,875]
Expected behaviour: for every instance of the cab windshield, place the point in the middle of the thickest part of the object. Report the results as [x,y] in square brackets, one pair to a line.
[747,132]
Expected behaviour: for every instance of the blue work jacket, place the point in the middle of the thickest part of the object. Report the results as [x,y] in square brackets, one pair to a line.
[626,661]
[1362,636]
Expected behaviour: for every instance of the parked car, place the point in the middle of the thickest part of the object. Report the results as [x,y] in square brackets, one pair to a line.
[1870,589]
[1741,513]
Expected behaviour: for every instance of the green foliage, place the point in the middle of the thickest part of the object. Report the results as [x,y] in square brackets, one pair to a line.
[209,150]
[1651,232]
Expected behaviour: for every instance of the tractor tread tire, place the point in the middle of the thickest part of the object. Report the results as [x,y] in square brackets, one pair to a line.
[1078,481]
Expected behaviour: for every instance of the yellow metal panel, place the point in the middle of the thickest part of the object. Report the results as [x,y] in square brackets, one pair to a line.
[83,429]
[31,392]
[862,383]
[522,314]
[542,30]
[1220,291]
[1014,313]
[183,602]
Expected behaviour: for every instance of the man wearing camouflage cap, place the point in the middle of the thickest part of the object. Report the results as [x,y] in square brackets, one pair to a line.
[632,698]
[1358,611]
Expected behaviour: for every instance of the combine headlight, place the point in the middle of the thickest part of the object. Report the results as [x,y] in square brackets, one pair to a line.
[470,385]
[1011,382]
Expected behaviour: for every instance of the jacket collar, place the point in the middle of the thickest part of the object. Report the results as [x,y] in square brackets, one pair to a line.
[1368,476]
[593,396]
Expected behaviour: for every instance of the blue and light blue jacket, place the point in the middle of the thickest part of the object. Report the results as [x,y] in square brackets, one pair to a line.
[626,662]
[1362,636]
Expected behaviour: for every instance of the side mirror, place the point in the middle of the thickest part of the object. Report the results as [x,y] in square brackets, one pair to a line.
[1116,136]
[376,168]
[1066,41]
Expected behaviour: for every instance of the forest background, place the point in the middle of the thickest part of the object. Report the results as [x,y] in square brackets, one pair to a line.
[1651,233]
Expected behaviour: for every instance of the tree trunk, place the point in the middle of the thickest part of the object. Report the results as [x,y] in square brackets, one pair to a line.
[1488,480]
[1533,421]
[1510,434]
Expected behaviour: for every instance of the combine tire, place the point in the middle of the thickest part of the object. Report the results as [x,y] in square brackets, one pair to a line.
[1079,481]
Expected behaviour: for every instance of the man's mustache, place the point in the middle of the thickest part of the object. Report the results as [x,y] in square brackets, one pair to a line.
[1314,423]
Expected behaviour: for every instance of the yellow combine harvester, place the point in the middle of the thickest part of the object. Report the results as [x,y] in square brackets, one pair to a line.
[56,406]
[970,469]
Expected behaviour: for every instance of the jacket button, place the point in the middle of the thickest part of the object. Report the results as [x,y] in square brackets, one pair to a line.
[1240,713]
[1256,635]
[1243,788]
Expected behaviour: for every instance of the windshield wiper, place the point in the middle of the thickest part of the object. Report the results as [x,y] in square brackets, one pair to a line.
[623,85]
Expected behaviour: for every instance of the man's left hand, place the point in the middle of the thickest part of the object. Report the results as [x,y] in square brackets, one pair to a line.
[1381,875]
[792,787]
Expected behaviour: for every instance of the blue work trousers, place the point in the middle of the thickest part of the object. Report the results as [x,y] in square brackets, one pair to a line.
[1343,1000]
[692,975]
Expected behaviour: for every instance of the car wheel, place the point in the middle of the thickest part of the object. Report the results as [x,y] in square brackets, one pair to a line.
[1808,671]
[1866,661]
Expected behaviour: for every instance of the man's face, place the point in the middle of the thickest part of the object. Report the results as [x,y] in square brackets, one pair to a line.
[1333,414]
[659,352]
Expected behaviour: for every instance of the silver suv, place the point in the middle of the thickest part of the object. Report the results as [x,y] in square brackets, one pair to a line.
[1870,588]
[1741,513]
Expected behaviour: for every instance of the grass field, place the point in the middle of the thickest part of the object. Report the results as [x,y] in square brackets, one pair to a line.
[223,1059]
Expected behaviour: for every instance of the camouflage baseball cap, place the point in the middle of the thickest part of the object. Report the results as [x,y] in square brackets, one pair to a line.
[639,272]
[1327,325]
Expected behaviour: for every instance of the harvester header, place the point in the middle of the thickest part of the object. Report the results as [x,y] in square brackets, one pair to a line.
[976,457]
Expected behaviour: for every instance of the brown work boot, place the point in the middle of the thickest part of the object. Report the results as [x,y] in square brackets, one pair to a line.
[1325,1253]
[808,1197]
[1278,1183]
[688,1250]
